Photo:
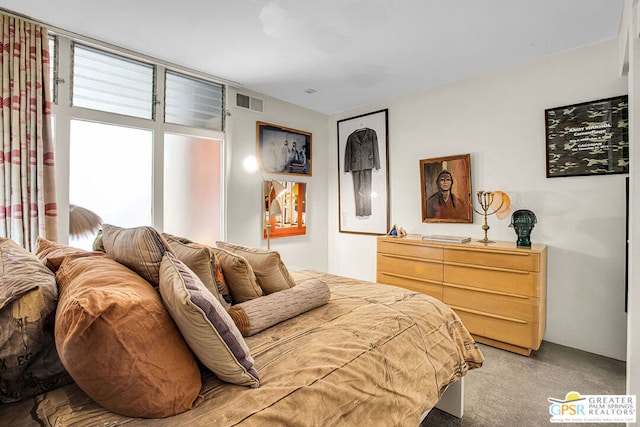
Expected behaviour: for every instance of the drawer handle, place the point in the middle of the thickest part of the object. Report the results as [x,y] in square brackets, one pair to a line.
[484,267]
[411,258]
[485,314]
[485,291]
[402,276]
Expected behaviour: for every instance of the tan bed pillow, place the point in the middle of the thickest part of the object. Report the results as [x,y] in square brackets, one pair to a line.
[205,324]
[239,276]
[139,248]
[203,262]
[261,313]
[119,343]
[267,265]
[29,363]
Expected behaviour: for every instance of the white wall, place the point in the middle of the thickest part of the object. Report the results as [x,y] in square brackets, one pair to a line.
[499,120]
[244,190]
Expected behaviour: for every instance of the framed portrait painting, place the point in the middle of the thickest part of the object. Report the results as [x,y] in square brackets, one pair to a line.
[445,184]
[283,150]
[363,174]
[590,138]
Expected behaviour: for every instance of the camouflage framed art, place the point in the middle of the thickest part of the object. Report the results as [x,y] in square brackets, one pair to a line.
[591,138]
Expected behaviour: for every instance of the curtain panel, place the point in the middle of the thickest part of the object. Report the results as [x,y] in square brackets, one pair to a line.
[28,206]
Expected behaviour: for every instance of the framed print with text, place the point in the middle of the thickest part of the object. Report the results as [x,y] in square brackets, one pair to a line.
[591,138]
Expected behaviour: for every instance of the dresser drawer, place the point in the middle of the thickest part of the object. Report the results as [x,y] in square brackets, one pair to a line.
[497,289]
[410,250]
[519,333]
[513,306]
[517,260]
[422,269]
[494,279]
[425,286]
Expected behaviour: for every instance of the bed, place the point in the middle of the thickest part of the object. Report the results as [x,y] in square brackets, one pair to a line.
[373,355]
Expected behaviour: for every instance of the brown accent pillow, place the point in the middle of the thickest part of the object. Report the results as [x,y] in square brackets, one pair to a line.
[205,324]
[118,342]
[203,262]
[139,248]
[239,276]
[52,253]
[29,363]
[261,313]
[270,271]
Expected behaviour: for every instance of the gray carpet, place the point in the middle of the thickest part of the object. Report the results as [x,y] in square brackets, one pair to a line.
[512,390]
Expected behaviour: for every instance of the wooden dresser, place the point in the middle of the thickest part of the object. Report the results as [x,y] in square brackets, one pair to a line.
[498,290]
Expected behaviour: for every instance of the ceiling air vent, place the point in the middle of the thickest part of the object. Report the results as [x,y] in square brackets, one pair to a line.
[249,103]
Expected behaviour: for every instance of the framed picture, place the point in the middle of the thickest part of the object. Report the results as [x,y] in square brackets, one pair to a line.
[283,150]
[363,174]
[445,184]
[591,138]
[285,206]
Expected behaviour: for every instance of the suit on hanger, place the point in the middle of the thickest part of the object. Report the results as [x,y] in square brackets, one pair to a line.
[360,157]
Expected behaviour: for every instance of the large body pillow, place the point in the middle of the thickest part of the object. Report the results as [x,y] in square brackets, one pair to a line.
[261,313]
[118,342]
[29,363]
[52,253]
[270,271]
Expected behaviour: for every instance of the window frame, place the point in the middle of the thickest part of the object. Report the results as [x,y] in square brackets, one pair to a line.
[63,112]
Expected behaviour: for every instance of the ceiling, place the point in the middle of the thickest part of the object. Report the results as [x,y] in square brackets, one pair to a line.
[347,52]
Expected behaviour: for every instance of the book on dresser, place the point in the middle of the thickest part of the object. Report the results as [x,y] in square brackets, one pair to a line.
[498,290]
[445,239]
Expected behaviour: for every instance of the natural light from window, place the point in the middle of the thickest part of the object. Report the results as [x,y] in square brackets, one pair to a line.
[110,173]
[192,191]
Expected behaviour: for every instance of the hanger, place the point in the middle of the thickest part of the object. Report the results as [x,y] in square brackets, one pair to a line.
[361,127]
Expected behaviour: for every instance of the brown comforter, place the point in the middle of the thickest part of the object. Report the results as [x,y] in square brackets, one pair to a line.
[374,355]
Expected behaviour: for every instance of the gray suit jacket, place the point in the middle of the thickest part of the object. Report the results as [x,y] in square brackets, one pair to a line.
[361,151]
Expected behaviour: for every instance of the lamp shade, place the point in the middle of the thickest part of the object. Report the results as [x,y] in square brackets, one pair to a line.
[276,209]
[83,222]
[501,204]
[278,188]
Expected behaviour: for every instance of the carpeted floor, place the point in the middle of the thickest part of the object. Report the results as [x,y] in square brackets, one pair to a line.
[512,390]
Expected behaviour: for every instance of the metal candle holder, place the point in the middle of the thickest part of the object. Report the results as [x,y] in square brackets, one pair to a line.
[486,199]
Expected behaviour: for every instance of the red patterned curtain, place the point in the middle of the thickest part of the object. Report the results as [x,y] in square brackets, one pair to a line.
[27,178]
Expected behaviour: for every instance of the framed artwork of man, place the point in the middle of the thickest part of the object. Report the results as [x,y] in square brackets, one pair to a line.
[445,184]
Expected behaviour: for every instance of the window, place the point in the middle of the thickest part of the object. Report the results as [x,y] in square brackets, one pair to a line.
[53,68]
[118,158]
[193,200]
[107,82]
[193,102]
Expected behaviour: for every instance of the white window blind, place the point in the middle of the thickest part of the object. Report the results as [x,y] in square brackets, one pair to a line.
[107,82]
[53,68]
[193,102]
